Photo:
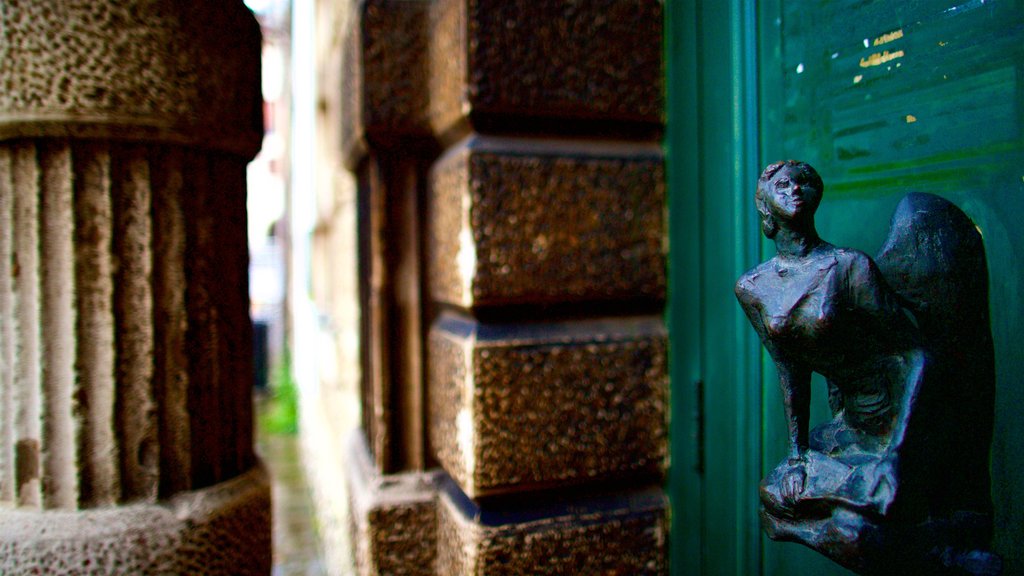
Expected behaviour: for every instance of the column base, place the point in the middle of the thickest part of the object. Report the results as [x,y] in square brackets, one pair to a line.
[222,529]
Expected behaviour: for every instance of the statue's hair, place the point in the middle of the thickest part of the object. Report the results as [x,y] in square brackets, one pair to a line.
[768,224]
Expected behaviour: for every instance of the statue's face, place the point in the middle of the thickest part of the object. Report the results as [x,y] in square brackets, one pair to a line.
[790,197]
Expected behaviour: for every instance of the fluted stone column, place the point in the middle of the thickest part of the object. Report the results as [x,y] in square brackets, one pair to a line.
[125,341]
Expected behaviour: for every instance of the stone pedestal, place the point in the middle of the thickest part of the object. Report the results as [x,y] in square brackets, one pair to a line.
[125,340]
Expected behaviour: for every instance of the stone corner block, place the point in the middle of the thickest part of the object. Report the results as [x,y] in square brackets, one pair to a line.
[385,76]
[220,530]
[533,406]
[534,222]
[546,60]
[625,533]
[393,520]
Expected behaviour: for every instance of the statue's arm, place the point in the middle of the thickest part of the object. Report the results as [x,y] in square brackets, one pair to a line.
[794,379]
[795,383]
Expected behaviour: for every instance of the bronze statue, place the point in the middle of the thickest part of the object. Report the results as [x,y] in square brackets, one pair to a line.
[898,480]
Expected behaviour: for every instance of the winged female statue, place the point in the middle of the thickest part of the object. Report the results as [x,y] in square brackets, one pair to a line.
[897,481]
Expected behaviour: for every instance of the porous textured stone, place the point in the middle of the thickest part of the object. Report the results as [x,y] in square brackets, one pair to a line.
[126,369]
[220,530]
[393,517]
[525,222]
[622,534]
[598,61]
[385,99]
[125,340]
[517,407]
[185,72]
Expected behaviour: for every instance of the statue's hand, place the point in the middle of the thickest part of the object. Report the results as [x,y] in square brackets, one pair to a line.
[794,480]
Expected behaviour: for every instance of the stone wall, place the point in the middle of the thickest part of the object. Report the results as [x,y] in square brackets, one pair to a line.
[512,280]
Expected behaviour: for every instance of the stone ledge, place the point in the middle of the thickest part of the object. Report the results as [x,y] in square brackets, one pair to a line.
[393,517]
[517,221]
[623,533]
[220,530]
[516,407]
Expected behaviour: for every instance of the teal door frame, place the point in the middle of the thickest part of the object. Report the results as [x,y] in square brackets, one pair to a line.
[712,157]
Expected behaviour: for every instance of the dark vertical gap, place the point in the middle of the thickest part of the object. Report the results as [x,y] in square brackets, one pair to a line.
[231,258]
[117,248]
[428,311]
[203,341]
[387,328]
[160,188]
[390,187]
[405,344]
[368,313]
[80,398]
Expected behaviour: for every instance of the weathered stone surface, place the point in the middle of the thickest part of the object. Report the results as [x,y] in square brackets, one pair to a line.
[125,372]
[185,72]
[620,534]
[385,76]
[597,61]
[220,530]
[125,338]
[523,406]
[525,222]
[393,517]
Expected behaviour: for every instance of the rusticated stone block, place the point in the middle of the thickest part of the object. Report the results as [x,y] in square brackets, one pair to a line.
[385,76]
[525,406]
[509,60]
[524,222]
[393,517]
[620,534]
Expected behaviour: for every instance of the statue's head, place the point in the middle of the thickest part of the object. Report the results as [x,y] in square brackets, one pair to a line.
[788,191]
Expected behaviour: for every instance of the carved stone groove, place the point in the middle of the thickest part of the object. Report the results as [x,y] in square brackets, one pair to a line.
[116,426]
[125,341]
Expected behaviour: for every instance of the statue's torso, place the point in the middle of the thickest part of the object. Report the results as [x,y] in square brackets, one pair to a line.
[833,314]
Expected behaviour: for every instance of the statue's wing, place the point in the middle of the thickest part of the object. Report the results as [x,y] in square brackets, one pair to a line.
[934,259]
